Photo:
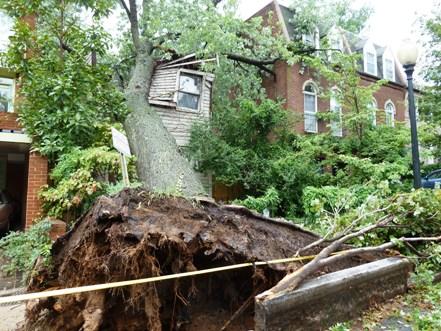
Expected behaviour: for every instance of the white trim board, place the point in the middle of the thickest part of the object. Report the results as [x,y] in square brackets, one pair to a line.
[15,138]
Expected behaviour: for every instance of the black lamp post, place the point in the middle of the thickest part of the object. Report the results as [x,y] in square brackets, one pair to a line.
[407,55]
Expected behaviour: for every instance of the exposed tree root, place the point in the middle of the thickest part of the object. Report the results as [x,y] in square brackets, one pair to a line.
[137,235]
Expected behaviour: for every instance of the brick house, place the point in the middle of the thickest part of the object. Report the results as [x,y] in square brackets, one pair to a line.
[22,171]
[297,86]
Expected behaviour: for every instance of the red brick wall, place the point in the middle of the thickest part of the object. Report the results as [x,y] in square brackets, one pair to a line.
[8,121]
[392,92]
[37,177]
[288,85]
[289,82]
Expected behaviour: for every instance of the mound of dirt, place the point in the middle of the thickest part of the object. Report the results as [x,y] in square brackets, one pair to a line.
[137,235]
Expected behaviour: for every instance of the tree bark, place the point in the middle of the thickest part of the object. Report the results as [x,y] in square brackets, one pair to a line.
[160,165]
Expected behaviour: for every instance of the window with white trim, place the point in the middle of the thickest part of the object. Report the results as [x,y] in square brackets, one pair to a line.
[189,91]
[312,39]
[373,111]
[6,24]
[370,58]
[6,95]
[389,109]
[388,66]
[336,121]
[310,107]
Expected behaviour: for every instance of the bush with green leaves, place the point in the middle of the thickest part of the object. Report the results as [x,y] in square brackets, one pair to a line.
[21,249]
[270,201]
[66,100]
[79,177]
[252,145]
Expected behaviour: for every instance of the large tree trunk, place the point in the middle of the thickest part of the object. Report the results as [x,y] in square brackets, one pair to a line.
[160,165]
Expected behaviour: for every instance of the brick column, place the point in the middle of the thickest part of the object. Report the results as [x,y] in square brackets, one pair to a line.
[37,177]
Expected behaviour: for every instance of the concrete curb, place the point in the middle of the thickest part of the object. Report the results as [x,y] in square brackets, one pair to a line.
[335,297]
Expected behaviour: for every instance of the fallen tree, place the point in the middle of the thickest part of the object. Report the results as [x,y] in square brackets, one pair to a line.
[137,235]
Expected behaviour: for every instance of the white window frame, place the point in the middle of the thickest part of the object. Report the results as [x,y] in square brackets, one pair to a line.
[374,107]
[5,30]
[311,113]
[189,72]
[315,36]
[387,111]
[387,55]
[334,106]
[3,81]
[370,48]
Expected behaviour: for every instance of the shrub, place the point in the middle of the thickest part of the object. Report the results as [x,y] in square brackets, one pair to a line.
[79,177]
[21,249]
[270,200]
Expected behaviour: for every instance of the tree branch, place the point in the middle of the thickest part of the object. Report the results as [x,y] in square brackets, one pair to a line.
[291,281]
[132,15]
[124,5]
[248,60]
[261,64]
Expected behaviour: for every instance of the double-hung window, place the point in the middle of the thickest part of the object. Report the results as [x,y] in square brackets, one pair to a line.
[312,38]
[371,63]
[389,69]
[6,95]
[389,108]
[336,121]
[370,58]
[5,30]
[189,91]
[310,108]
[373,112]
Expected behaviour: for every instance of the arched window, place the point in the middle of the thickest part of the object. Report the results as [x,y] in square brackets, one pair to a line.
[370,58]
[389,108]
[310,107]
[373,111]
[336,121]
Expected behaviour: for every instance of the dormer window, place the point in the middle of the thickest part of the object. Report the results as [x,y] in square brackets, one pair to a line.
[189,91]
[312,39]
[388,66]
[370,59]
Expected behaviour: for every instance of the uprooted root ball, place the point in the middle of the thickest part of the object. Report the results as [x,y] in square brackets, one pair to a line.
[137,235]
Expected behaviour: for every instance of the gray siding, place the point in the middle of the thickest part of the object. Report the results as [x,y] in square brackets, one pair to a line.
[178,121]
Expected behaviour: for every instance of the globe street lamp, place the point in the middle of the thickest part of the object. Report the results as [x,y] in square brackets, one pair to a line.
[408,54]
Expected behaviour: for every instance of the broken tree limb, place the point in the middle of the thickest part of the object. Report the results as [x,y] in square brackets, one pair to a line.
[292,281]
[341,234]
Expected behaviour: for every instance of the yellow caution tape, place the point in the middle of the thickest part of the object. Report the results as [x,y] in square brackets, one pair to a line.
[89,288]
